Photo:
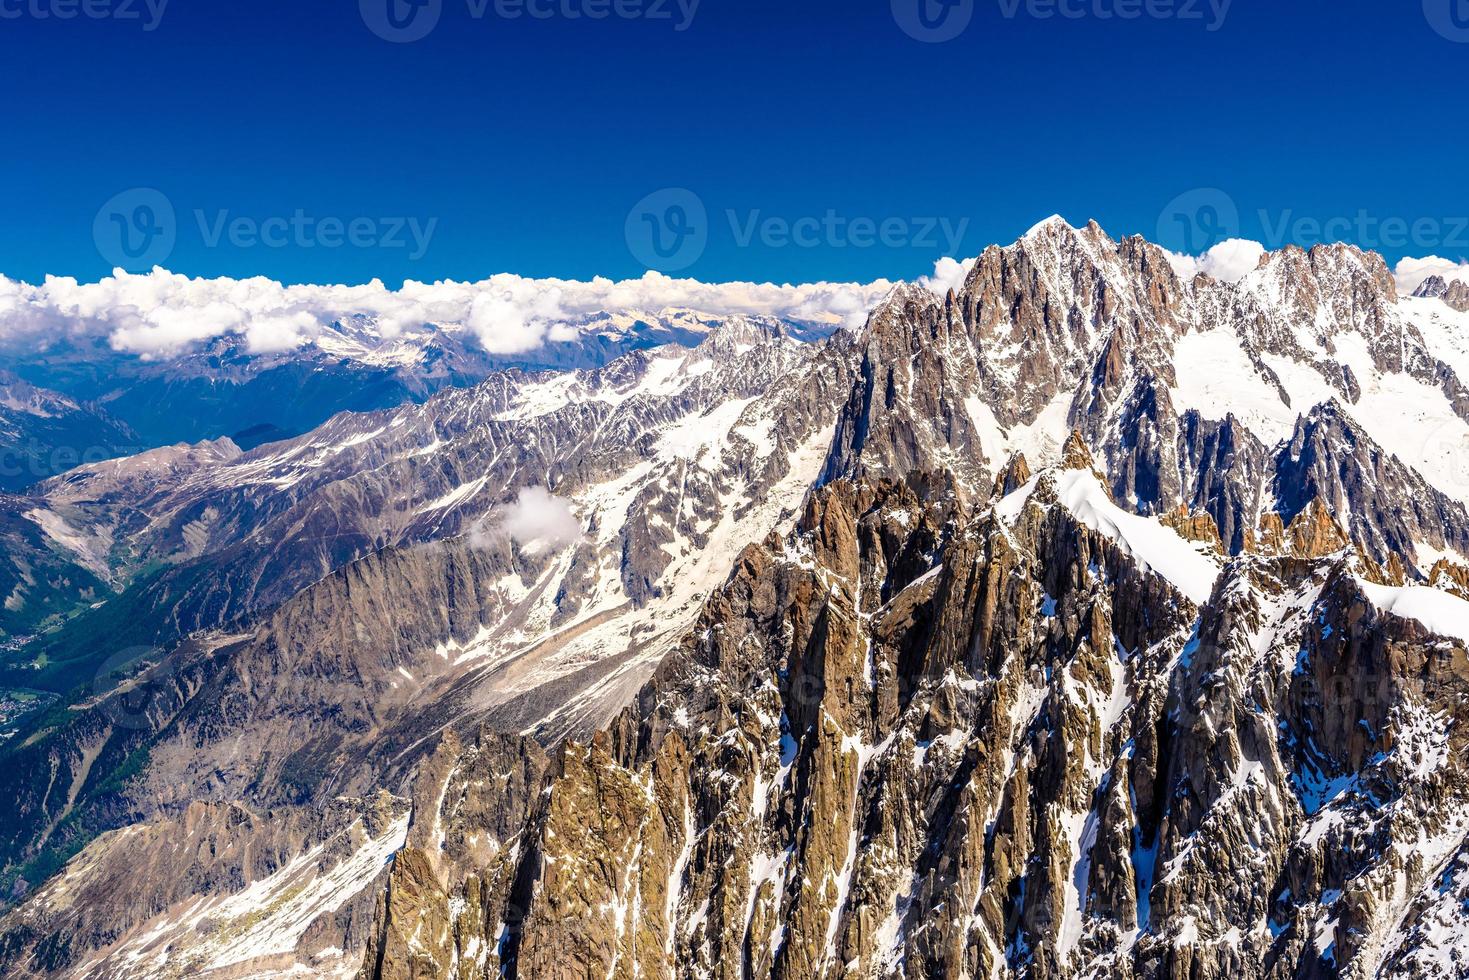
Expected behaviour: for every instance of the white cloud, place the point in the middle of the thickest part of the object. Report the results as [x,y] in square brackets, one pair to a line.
[1229,261]
[536,521]
[948,274]
[1410,272]
[162,313]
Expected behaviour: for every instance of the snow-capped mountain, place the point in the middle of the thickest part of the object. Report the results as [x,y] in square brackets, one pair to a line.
[1198,393]
[1081,621]
[224,388]
[44,432]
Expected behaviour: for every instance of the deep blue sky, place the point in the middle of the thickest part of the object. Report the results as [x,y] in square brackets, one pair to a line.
[530,140]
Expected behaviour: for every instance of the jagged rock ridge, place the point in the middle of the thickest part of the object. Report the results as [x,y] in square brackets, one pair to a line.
[973,716]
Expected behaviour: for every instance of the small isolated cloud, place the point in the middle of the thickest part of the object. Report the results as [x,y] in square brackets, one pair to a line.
[162,314]
[1410,273]
[948,274]
[537,521]
[1229,261]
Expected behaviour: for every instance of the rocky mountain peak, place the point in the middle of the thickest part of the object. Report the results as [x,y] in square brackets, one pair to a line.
[1434,287]
[1015,474]
[1455,294]
[1075,455]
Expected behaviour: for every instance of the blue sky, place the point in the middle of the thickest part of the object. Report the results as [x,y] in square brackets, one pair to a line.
[819,140]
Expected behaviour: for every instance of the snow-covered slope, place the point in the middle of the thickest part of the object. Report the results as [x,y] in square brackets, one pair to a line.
[1193,392]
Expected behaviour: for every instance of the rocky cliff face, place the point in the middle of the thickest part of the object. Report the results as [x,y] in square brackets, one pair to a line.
[1082,622]
[1193,393]
[916,740]
[1454,294]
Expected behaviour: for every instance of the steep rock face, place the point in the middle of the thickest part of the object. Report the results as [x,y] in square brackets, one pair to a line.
[1454,294]
[1189,391]
[304,883]
[436,914]
[914,740]
[1223,467]
[1387,508]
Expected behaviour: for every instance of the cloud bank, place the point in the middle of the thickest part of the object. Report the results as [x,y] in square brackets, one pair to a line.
[161,314]
[1410,273]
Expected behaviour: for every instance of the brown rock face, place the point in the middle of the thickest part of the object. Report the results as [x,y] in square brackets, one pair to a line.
[1193,526]
[1015,475]
[1075,455]
[915,739]
[1313,533]
[1454,294]
[1451,577]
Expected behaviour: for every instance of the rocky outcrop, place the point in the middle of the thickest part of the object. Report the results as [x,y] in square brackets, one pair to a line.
[1330,460]
[1191,526]
[1454,294]
[1451,577]
[916,739]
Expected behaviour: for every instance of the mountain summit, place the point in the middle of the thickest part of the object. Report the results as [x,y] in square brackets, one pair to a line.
[1081,620]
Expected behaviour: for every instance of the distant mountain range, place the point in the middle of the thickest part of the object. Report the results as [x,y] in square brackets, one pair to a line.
[1079,620]
[77,399]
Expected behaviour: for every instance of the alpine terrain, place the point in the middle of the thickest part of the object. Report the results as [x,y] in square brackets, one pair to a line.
[1083,620]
